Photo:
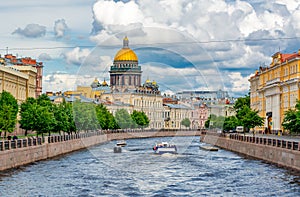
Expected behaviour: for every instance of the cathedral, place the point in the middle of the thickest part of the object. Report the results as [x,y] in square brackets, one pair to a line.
[125,73]
[126,90]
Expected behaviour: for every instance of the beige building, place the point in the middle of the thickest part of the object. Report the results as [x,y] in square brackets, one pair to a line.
[150,104]
[20,84]
[174,114]
[274,89]
[22,77]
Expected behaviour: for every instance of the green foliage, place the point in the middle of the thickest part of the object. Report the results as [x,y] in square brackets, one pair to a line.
[44,119]
[8,112]
[105,118]
[38,115]
[140,119]
[214,121]
[291,121]
[186,122]
[27,114]
[249,118]
[242,101]
[62,122]
[245,115]
[69,112]
[85,117]
[230,123]
[123,119]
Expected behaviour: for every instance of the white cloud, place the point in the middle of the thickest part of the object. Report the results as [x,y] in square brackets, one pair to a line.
[116,13]
[240,83]
[76,56]
[44,57]
[170,25]
[60,27]
[31,31]
[63,81]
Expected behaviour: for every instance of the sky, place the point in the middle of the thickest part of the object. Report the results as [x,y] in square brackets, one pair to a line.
[181,44]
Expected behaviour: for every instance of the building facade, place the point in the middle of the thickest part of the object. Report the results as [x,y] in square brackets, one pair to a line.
[21,77]
[125,73]
[205,94]
[275,89]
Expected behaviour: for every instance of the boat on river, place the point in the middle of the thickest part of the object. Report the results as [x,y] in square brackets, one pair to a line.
[165,147]
[209,148]
[121,143]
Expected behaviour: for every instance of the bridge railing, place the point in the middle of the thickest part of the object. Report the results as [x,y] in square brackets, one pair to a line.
[280,143]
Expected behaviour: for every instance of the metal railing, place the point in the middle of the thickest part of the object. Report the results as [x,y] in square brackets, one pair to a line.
[280,143]
[28,142]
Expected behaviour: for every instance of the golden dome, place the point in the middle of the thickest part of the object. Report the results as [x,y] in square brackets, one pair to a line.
[126,54]
[104,83]
[154,82]
[148,81]
[96,80]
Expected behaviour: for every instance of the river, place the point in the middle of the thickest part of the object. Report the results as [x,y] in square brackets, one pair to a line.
[98,171]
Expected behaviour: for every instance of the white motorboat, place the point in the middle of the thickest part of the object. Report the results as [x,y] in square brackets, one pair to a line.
[165,147]
[121,143]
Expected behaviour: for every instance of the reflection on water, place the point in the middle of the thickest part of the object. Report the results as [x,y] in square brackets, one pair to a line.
[137,171]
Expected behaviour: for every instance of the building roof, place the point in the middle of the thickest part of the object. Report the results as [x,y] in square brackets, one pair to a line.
[125,54]
[177,106]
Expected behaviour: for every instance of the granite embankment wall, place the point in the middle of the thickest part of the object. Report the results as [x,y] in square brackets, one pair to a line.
[25,151]
[277,151]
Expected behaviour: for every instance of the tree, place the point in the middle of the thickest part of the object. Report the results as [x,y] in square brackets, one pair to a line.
[71,122]
[39,115]
[230,123]
[44,119]
[123,119]
[27,115]
[291,121]
[62,122]
[249,118]
[105,118]
[214,121]
[8,112]
[186,122]
[242,101]
[140,119]
[85,117]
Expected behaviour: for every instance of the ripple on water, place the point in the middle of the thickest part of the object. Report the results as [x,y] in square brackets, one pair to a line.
[138,172]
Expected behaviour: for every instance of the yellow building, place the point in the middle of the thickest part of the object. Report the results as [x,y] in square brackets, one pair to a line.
[22,77]
[20,82]
[275,89]
[94,90]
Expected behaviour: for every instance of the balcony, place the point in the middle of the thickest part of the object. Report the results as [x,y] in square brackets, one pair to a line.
[138,69]
[273,81]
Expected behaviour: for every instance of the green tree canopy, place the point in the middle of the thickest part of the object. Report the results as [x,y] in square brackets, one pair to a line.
[8,112]
[27,114]
[240,102]
[62,118]
[123,119]
[140,119]
[249,118]
[214,121]
[186,122]
[230,123]
[291,121]
[85,117]
[105,118]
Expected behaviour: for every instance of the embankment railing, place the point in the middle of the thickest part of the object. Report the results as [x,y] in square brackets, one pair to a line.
[37,141]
